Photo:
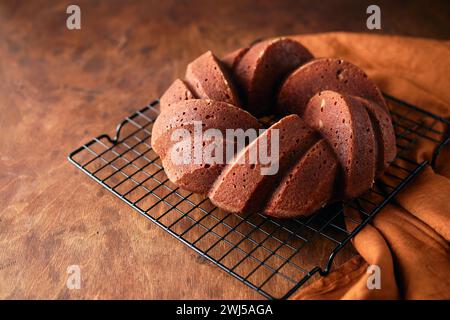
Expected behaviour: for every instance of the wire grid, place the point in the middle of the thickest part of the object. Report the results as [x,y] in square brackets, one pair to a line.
[272,256]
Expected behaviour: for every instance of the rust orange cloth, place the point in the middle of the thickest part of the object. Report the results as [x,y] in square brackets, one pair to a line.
[408,240]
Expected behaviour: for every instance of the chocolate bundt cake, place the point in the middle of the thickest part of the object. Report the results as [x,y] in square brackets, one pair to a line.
[334,136]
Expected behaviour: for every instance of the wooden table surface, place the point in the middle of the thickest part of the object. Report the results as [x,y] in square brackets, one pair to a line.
[59,88]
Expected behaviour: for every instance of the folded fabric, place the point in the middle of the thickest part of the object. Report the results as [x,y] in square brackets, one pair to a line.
[409,239]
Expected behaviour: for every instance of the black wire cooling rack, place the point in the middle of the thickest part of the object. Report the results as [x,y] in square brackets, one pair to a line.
[271,256]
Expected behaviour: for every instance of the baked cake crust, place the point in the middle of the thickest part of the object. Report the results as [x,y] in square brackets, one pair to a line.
[178,91]
[345,124]
[242,187]
[210,80]
[308,186]
[325,74]
[260,71]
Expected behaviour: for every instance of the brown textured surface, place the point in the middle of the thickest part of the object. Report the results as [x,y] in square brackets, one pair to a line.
[59,88]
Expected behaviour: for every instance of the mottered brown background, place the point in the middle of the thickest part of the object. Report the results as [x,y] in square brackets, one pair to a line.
[59,88]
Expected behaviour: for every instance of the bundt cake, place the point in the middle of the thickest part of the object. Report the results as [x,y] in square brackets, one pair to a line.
[334,135]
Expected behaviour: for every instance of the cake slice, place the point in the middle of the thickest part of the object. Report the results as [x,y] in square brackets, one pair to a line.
[262,68]
[195,177]
[178,91]
[210,80]
[384,134]
[344,122]
[233,58]
[307,187]
[209,113]
[325,74]
[241,187]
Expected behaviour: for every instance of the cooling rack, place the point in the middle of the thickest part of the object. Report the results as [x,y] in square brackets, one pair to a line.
[271,256]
